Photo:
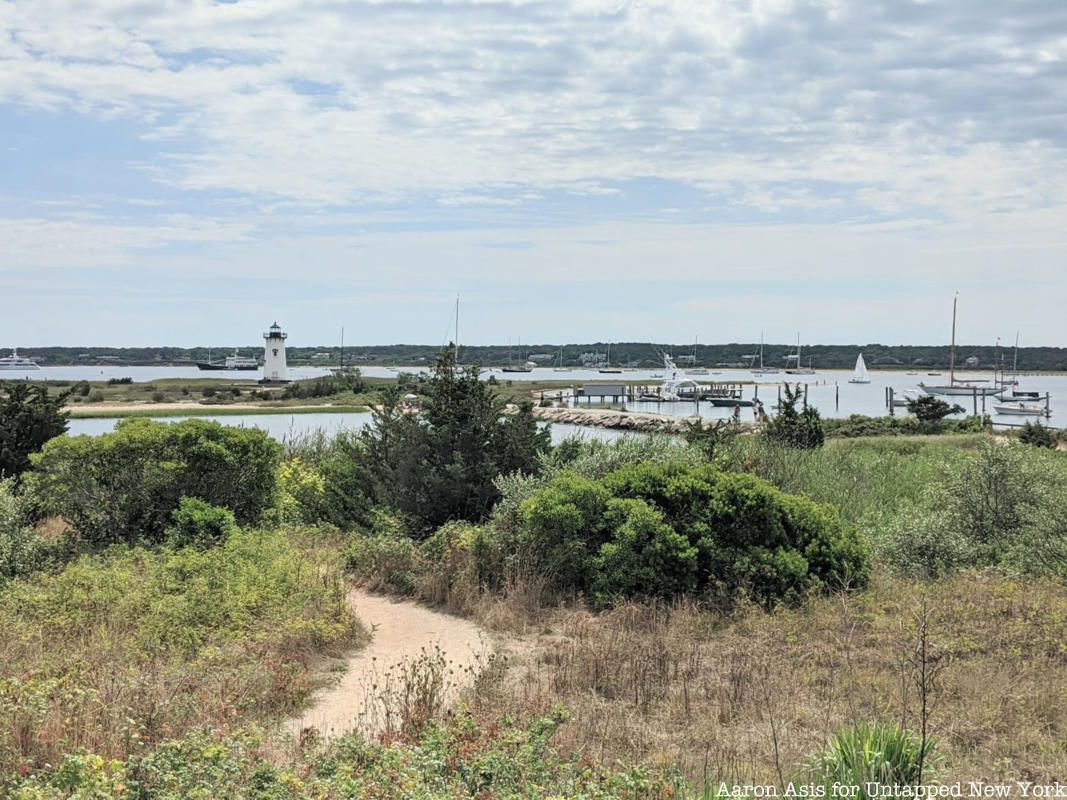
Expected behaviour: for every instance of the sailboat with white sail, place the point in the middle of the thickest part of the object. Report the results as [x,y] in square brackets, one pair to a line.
[860,374]
[957,387]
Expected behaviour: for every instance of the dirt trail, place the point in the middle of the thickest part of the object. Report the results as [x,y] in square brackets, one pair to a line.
[402,632]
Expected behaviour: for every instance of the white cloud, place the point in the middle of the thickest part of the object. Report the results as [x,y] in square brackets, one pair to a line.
[906,102]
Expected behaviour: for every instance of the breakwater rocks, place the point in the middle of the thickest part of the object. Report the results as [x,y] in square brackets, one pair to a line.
[611,418]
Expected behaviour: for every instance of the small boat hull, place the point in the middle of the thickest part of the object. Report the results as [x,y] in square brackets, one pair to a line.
[1022,410]
[730,402]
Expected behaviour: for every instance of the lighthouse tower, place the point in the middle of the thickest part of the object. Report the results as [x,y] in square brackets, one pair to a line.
[274,368]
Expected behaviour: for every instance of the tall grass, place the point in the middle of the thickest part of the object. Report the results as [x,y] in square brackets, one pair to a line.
[123,649]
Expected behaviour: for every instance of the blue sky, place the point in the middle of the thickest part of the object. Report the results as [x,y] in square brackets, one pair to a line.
[186,172]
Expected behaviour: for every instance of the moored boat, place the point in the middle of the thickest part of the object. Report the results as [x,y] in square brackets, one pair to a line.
[1024,409]
[859,375]
[15,361]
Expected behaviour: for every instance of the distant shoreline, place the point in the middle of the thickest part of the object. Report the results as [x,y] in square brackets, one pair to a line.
[126,410]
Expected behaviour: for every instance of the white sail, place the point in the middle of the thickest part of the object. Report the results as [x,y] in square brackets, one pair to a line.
[860,375]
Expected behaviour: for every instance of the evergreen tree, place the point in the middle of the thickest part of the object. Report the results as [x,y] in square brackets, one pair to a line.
[29,417]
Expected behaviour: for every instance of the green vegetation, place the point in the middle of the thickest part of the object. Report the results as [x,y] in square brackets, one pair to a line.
[122,650]
[325,387]
[820,601]
[669,530]
[930,409]
[873,752]
[1038,435]
[858,425]
[797,429]
[125,486]
[29,417]
[437,465]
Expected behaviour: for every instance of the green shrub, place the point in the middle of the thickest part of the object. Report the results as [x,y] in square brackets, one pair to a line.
[1036,434]
[663,530]
[96,396]
[22,550]
[199,524]
[928,408]
[82,388]
[873,752]
[158,397]
[301,493]
[329,386]
[386,557]
[797,429]
[29,417]
[208,391]
[858,425]
[124,486]
[921,543]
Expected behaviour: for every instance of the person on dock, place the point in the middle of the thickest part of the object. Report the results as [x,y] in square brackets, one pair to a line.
[737,414]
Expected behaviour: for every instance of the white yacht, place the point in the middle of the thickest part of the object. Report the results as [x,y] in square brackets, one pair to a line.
[15,361]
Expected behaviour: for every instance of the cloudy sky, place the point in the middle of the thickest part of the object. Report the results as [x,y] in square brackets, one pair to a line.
[187,171]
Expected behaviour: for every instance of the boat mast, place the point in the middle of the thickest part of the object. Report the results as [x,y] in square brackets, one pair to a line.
[457,327]
[342,348]
[1015,362]
[761,351]
[952,351]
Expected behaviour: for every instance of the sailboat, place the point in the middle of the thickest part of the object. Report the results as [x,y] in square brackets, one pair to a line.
[762,369]
[859,375]
[695,370]
[559,363]
[957,387]
[1013,384]
[525,367]
[607,368]
[799,370]
[341,369]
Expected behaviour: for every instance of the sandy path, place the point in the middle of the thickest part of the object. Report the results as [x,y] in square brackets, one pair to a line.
[402,632]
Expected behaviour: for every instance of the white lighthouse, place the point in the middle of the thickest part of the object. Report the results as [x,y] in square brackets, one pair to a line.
[274,368]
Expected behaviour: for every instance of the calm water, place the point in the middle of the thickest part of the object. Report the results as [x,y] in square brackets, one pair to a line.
[288,426]
[828,391]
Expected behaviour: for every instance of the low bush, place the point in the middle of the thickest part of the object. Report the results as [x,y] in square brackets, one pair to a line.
[1036,434]
[121,650]
[385,557]
[458,757]
[666,530]
[125,485]
[199,524]
[325,387]
[22,550]
[858,425]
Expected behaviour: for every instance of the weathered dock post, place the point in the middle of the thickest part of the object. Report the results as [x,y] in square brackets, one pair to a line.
[837,396]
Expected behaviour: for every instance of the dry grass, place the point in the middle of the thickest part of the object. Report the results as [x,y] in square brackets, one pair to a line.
[750,697]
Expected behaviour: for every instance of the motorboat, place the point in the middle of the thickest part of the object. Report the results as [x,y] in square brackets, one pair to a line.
[1023,409]
[15,361]
[231,363]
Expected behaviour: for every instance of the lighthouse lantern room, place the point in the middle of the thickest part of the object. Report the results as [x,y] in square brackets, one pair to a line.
[274,368]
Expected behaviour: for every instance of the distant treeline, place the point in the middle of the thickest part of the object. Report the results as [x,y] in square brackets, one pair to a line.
[626,354]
